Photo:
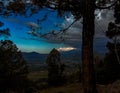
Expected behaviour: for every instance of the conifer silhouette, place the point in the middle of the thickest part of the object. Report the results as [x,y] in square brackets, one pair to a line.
[13,68]
[55,68]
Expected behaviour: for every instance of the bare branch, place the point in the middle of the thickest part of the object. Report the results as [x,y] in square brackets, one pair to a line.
[60,31]
[52,33]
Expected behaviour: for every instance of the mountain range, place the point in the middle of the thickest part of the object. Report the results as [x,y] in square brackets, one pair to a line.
[69,56]
[34,57]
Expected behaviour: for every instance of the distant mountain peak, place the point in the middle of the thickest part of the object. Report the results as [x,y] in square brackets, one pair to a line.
[32,57]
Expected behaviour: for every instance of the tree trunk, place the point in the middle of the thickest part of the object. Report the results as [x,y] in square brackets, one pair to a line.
[88,79]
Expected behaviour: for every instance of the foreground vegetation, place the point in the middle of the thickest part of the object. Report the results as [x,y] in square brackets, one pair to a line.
[77,88]
[55,77]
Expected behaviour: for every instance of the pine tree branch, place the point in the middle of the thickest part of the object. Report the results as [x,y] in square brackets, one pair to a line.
[52,33]
[107,7]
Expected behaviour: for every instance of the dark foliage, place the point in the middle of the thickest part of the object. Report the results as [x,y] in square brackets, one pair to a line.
[55,68]
[117,12]
[1,24]
[110,70]
[4,32]
[113,30]
[13,68]
[111,61]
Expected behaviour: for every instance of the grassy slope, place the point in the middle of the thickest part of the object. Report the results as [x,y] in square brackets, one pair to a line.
[76,88]
[37,75]
[72,88]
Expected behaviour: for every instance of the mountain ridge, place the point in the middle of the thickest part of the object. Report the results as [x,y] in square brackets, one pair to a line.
[66,56]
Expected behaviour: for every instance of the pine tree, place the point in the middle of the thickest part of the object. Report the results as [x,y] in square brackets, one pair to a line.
[13,68]
[55,68]
[112,58]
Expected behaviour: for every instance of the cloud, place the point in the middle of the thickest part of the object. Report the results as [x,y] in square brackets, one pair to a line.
[101,22]
[28,1]
[32,25]
[14,20]
[73,36]
[66,48]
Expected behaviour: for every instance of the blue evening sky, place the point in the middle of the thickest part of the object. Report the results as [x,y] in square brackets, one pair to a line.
[20,26]
[19,31]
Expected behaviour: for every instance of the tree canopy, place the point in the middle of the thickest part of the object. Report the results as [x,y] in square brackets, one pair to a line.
[13,67]
[55,68]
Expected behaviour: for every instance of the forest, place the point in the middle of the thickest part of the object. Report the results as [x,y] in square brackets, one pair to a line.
[59,46]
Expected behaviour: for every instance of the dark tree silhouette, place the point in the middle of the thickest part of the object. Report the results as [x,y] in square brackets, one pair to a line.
[55,68]
[112,58]
[112,66]
[13,68]
[113,33]
[4,32]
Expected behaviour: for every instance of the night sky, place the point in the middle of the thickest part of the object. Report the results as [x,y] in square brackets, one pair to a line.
[21,33]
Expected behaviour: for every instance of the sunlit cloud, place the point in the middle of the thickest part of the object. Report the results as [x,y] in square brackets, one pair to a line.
[66,48]
[28,1]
